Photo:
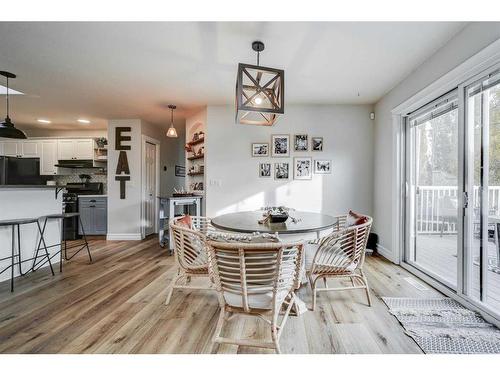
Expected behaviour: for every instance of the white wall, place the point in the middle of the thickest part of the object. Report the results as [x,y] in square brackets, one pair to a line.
[124,215]
[468,42]
[348,142]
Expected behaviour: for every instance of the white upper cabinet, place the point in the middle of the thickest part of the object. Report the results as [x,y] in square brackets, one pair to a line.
[30,149]
[48,157]
[65,149]
[84,149]
[13,148]
[75,149]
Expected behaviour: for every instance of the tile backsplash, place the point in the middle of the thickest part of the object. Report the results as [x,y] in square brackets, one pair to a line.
[73,177]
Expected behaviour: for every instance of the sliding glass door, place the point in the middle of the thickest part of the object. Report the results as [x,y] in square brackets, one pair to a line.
[452,200]
[432,186]
[482,123]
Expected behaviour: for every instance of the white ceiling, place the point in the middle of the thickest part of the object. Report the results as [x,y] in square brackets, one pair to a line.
[109,70]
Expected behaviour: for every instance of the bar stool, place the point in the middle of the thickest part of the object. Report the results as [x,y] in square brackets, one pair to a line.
[63,242]
[16,259]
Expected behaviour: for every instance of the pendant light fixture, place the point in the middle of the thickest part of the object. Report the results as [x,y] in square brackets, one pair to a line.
[7,129]
[171,132]
[259,92]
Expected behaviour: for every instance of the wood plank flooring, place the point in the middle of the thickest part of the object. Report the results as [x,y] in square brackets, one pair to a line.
[116,305]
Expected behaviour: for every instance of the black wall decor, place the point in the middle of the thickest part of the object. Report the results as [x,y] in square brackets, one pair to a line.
[122,167]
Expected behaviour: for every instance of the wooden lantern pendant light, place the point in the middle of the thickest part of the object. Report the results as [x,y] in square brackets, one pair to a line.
[260,92]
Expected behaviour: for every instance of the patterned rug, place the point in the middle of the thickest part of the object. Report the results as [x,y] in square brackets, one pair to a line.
[443,326]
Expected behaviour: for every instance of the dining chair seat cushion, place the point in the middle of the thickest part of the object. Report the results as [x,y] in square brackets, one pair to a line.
[256,301]
[354,218]
[340,257]
[242,237]
[185,222]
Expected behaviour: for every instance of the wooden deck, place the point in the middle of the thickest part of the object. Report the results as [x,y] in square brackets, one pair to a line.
[439,255]
[116,305]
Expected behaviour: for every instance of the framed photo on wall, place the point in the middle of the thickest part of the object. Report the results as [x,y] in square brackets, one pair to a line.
[322,166]
[316,143]
[265,170]
[300,142]
[281,171]
[180,171]
[260,149]
[280,145]
[302,168]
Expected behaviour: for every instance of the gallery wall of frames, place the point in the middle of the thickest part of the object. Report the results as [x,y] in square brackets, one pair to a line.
[300,166]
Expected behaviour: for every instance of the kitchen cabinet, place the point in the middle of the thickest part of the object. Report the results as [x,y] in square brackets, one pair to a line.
[48,157]
[94,214]
[26,149]
[30,149]
[75,149]
[12,148]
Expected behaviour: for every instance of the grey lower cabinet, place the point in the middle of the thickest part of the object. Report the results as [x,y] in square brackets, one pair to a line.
[94,214]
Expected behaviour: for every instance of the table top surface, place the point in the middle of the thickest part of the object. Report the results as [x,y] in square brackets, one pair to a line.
[247,222]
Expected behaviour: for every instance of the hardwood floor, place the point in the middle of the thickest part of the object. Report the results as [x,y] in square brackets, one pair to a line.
[116,305]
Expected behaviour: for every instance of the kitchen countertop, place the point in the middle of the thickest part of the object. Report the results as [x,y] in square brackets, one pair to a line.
[92,195]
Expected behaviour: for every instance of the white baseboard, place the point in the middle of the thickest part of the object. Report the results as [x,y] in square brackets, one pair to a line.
[386,253]
[123,237]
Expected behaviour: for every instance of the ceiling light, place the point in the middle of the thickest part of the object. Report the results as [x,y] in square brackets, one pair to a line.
[259,92]
[7,129]
[44,121]
[171,132]
[83,121]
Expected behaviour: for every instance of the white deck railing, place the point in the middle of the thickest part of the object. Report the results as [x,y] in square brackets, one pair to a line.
[430,217]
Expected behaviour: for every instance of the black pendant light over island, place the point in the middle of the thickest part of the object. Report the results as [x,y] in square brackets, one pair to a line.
[7,129]
[260,92]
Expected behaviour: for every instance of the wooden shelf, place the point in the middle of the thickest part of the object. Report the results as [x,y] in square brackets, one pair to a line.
[195,173]
[198,141]
[196,157]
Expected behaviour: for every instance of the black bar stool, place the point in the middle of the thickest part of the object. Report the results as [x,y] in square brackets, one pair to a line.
[16,259]
[63,242]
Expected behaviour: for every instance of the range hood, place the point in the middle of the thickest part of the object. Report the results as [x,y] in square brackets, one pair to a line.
[76,164]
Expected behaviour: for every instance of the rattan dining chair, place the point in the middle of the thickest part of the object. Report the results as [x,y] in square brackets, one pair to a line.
[339,255]
[256,279]
[190,253]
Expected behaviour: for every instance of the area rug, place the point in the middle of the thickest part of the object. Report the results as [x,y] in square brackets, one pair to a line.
[443,326]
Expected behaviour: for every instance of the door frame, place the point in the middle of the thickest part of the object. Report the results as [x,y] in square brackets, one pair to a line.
[147,139]
[477,65]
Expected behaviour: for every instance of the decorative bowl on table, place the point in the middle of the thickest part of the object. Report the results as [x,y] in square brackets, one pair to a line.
[278,217]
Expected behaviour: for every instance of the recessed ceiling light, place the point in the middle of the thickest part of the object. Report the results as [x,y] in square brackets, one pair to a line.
[83,121]
[44,121]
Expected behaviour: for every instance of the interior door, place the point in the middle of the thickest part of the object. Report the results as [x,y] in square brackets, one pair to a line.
[482,257]
[433,237]
[150,193]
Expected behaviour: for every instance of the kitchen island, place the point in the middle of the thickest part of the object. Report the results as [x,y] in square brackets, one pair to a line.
[28,201]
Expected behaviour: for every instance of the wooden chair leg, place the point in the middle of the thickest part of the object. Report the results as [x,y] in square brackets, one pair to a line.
[220,324]
[365,281]
[313,287]
[171,288]
[274,335]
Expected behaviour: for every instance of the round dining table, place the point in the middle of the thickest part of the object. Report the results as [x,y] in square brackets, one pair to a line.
[309,226]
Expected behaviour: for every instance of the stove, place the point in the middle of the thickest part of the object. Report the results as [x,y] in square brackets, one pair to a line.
[70,204]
